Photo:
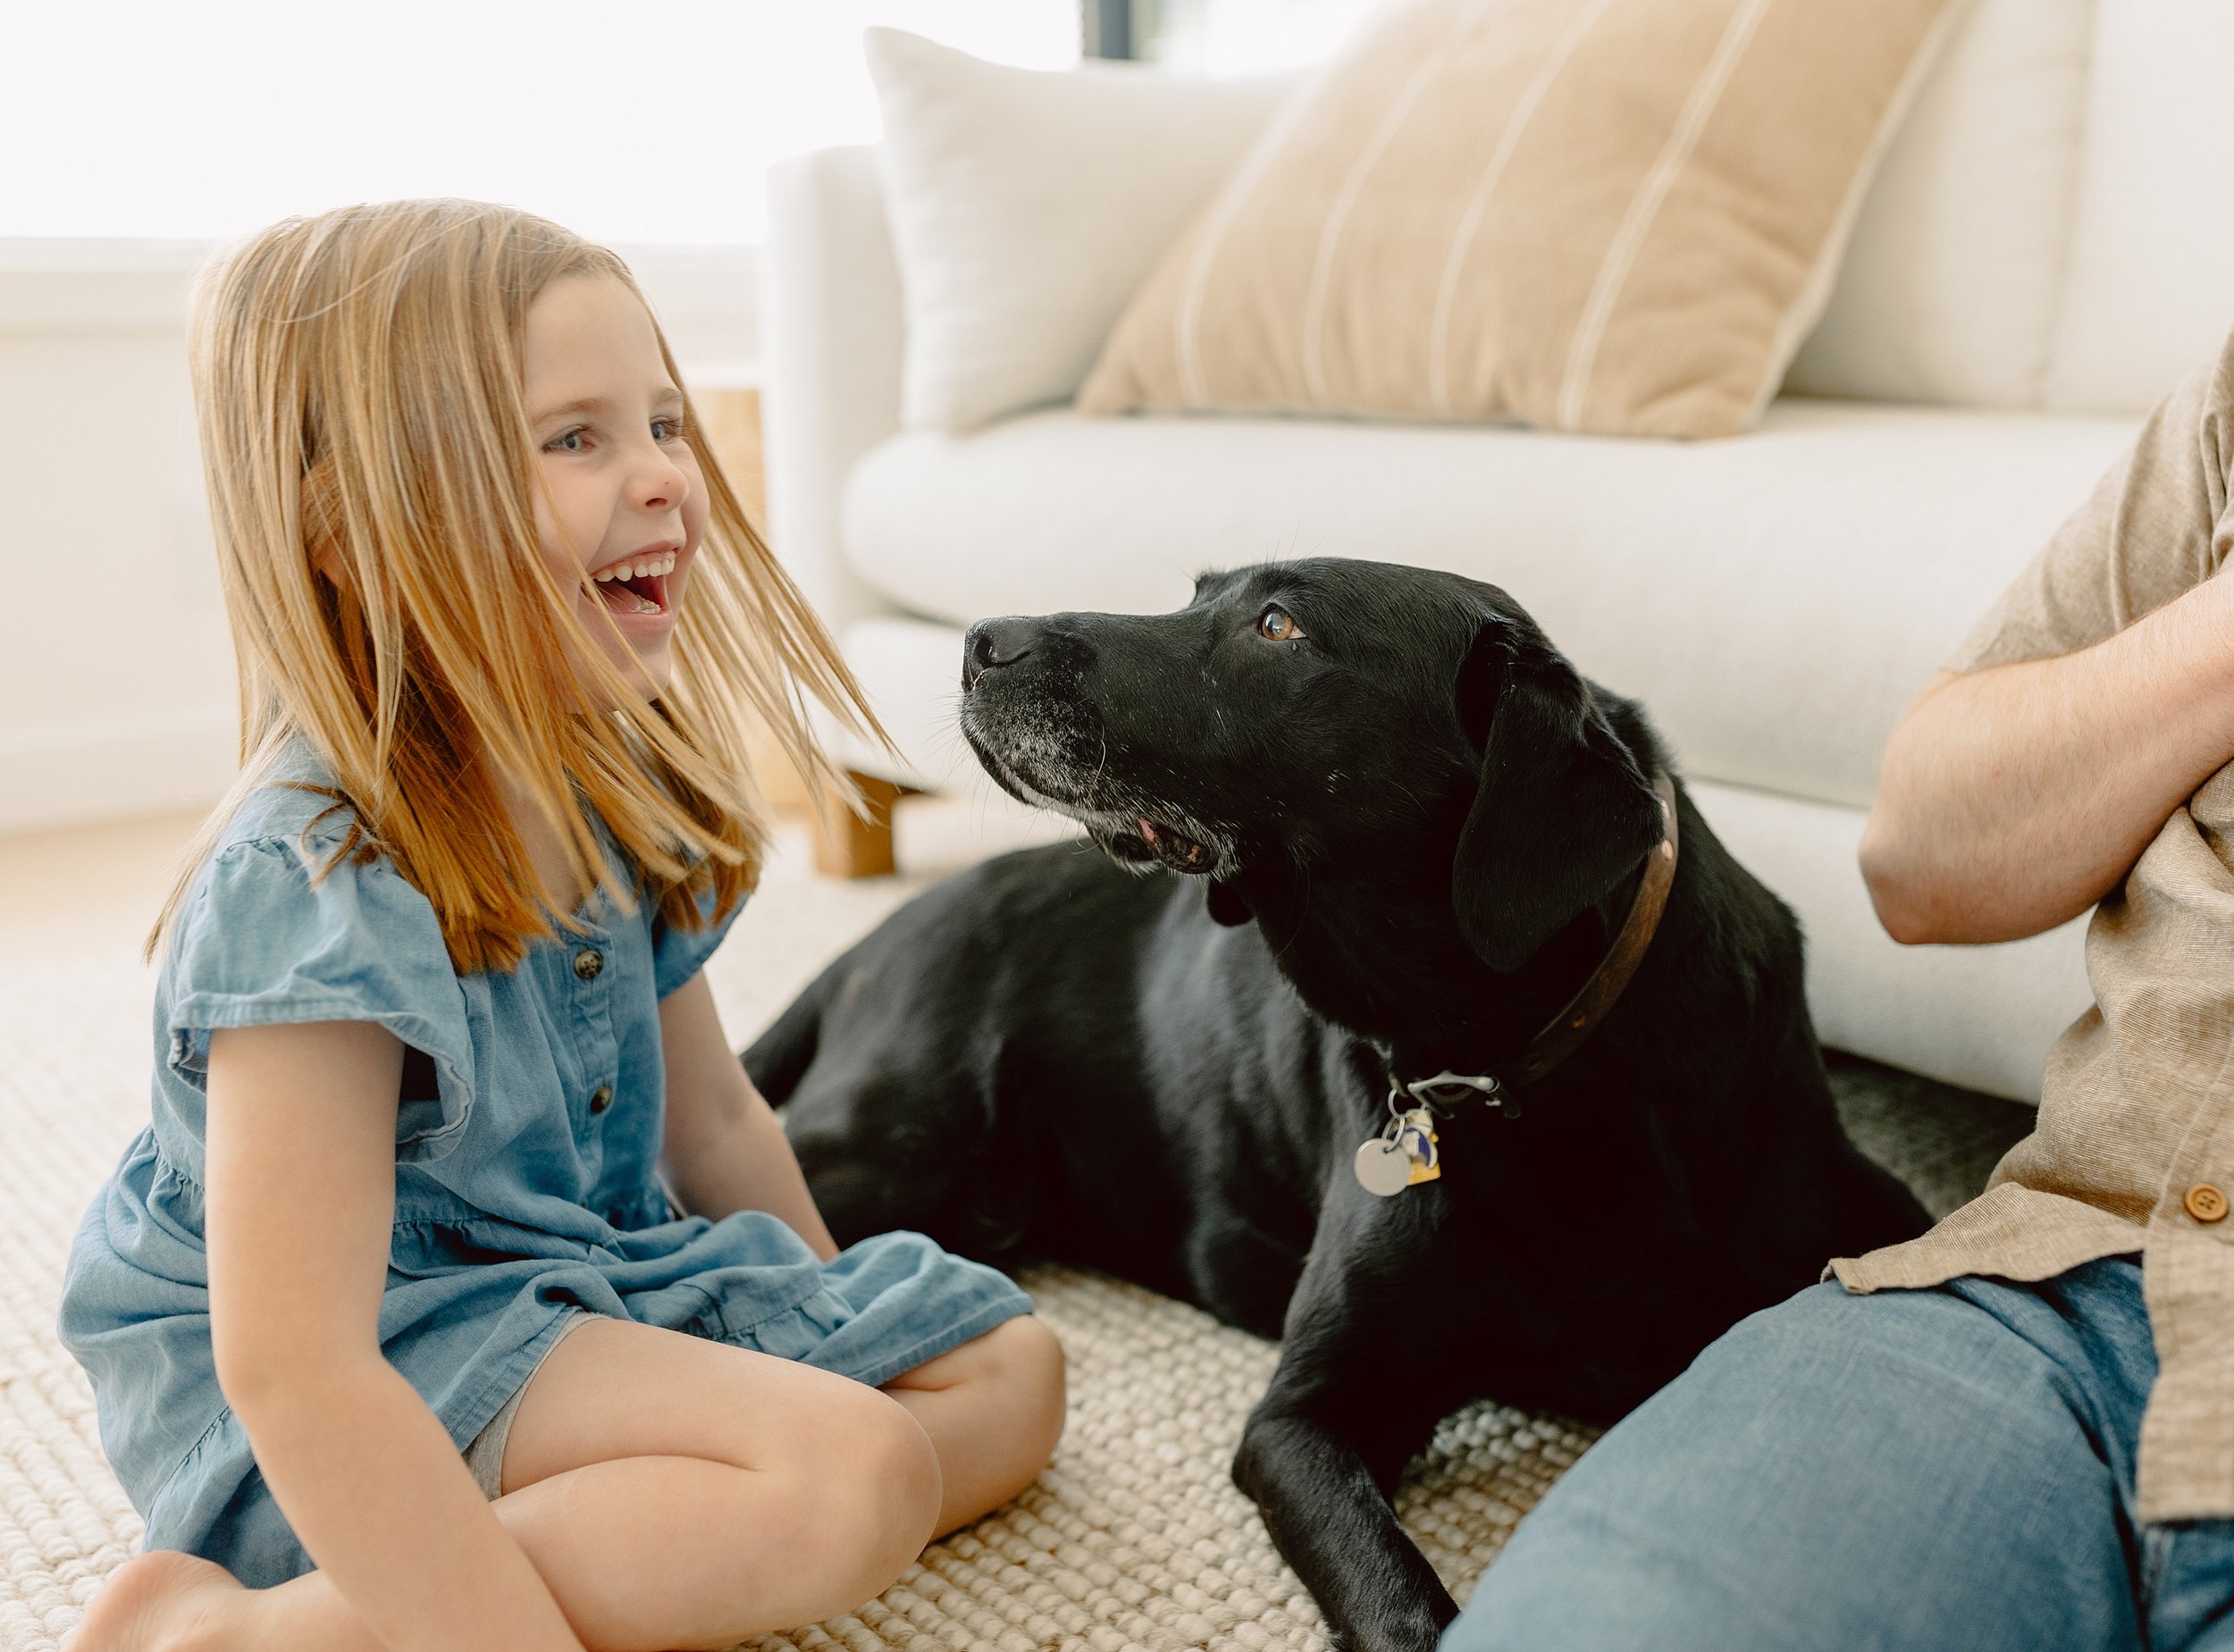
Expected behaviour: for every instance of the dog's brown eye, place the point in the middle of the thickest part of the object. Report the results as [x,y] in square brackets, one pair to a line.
[1279,626]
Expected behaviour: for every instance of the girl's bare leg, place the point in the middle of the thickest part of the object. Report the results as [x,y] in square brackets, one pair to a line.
[994,1410]
[672,1492]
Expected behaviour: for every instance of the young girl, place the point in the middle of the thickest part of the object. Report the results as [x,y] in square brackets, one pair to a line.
[392,1287]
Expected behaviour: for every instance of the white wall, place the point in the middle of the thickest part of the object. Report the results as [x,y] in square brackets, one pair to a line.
[116,690]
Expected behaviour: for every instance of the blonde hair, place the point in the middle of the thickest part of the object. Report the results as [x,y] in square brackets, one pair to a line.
[371,476]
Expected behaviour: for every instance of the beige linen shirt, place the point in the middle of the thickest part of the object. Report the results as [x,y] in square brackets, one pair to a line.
[2137,1109]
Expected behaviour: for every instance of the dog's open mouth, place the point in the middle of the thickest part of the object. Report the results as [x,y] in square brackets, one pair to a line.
[1053,767]
[1165,845]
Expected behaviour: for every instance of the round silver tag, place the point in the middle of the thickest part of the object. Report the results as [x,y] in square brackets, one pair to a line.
[1383,1168]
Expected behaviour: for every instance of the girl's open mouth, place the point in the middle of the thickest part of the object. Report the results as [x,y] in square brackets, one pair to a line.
[636,586]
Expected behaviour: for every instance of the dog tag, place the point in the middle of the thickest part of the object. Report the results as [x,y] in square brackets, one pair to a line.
[1417,1136]
[1384,1169]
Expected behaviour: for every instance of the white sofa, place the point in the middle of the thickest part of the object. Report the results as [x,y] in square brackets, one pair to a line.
[2037,260]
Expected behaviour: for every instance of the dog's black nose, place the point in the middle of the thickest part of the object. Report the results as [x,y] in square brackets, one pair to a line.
[994,642]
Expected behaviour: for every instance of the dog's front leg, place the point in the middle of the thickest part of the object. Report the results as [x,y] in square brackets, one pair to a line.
[1352,1400]
[1330,1520]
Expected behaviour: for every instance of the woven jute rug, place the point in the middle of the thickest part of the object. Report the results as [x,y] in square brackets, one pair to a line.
[1133,1537]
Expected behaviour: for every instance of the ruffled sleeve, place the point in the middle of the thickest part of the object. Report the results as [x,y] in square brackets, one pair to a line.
[678,954]
[273,934]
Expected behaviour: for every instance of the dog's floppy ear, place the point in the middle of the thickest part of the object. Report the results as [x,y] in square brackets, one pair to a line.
[1561,810]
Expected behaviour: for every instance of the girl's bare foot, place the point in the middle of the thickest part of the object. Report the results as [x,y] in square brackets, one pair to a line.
[161,1601]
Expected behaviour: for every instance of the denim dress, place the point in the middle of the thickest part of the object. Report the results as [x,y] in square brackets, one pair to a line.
[527,1142]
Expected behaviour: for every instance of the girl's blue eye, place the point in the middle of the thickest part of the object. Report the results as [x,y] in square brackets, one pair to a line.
[577,440]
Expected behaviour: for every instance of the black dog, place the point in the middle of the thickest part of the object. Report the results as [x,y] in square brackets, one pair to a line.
[1409,832]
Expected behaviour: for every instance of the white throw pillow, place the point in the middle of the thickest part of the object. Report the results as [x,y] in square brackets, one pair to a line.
[1951,285]
[1028,206]
[2151,288]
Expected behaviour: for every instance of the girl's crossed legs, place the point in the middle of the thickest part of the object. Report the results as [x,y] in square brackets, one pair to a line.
[679,1493]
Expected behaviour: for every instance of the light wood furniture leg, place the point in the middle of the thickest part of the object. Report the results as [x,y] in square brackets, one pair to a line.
[850,846]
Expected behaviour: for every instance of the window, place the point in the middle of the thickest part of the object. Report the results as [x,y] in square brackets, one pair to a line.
[631,123]
[1245,37]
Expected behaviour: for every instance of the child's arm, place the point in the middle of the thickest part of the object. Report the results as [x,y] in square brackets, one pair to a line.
[725,1148]
[301,1204]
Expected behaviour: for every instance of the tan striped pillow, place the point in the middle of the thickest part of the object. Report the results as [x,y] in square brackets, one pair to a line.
[1610,216]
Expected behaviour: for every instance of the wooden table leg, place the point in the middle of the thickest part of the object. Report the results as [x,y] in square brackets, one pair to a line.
[850,846]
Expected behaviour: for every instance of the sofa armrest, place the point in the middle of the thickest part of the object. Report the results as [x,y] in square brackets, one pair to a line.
[831,320]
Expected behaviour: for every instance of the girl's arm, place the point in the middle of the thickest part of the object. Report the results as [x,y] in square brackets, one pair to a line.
[301,1204]
[725,1148]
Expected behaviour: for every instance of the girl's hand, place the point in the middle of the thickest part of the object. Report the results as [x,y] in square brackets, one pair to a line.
[301,1205]
[725,1148]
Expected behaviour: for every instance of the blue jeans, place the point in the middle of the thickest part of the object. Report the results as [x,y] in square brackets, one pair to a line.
[1912,1472]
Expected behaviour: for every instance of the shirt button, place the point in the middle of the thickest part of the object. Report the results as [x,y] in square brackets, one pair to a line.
[602,1098]
[589,963]
[2205,1203]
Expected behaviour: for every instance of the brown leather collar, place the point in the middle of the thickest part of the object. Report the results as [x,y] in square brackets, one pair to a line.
[1566,1032]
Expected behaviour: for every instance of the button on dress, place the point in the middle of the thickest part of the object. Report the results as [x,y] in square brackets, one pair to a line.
[527,1143]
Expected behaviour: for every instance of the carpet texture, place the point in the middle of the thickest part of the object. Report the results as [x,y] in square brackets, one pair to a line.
[1133,1539]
